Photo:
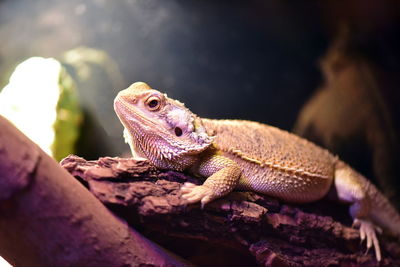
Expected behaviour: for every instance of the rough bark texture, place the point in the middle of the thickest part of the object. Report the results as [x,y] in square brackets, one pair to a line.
[244,228]
[47,218]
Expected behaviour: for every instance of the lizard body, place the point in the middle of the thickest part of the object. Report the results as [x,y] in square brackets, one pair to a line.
[237,154]
[282,165]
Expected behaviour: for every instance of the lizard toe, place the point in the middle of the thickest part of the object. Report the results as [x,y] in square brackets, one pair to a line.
[188,185]
[204,201]
[197,193]
[187,188]
[368,231]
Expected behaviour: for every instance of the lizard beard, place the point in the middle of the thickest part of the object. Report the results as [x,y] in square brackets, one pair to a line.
[163,155]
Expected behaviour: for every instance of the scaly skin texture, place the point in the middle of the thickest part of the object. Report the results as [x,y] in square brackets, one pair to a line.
[246,155]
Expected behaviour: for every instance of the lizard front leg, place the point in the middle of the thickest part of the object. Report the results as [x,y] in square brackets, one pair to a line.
[352,188]
[223,176]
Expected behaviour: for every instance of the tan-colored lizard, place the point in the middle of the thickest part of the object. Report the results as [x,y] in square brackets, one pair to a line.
[248,156]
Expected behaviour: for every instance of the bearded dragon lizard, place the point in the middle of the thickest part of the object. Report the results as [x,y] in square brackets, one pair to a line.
[245,155]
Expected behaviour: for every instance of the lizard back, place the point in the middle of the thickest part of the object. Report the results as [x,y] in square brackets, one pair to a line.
[273,159]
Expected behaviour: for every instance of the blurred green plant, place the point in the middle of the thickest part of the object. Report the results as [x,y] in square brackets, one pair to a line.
[41,100]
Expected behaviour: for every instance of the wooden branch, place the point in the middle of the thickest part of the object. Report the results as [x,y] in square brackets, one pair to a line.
[47,218]
[270,233]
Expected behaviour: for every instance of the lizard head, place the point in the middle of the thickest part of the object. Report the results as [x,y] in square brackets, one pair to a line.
[160,128]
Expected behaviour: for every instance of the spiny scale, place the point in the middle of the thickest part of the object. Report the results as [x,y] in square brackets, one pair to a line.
[274,148]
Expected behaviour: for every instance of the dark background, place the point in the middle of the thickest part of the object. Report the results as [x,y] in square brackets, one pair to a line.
[255,60]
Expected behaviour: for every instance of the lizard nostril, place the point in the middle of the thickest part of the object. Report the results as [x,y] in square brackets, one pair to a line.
[178,131]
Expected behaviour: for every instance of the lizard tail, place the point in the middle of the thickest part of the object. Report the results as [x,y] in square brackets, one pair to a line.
[366,199]
[382,212]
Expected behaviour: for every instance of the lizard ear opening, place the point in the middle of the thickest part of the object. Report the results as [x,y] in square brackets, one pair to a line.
[178,131]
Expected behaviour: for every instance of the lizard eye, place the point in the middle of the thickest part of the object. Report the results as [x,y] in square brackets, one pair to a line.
[178,131]
[153,103]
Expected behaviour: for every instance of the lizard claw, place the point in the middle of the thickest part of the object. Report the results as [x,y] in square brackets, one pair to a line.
[368,230]
[194,193]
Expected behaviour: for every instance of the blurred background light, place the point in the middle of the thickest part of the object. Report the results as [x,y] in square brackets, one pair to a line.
[39,100]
